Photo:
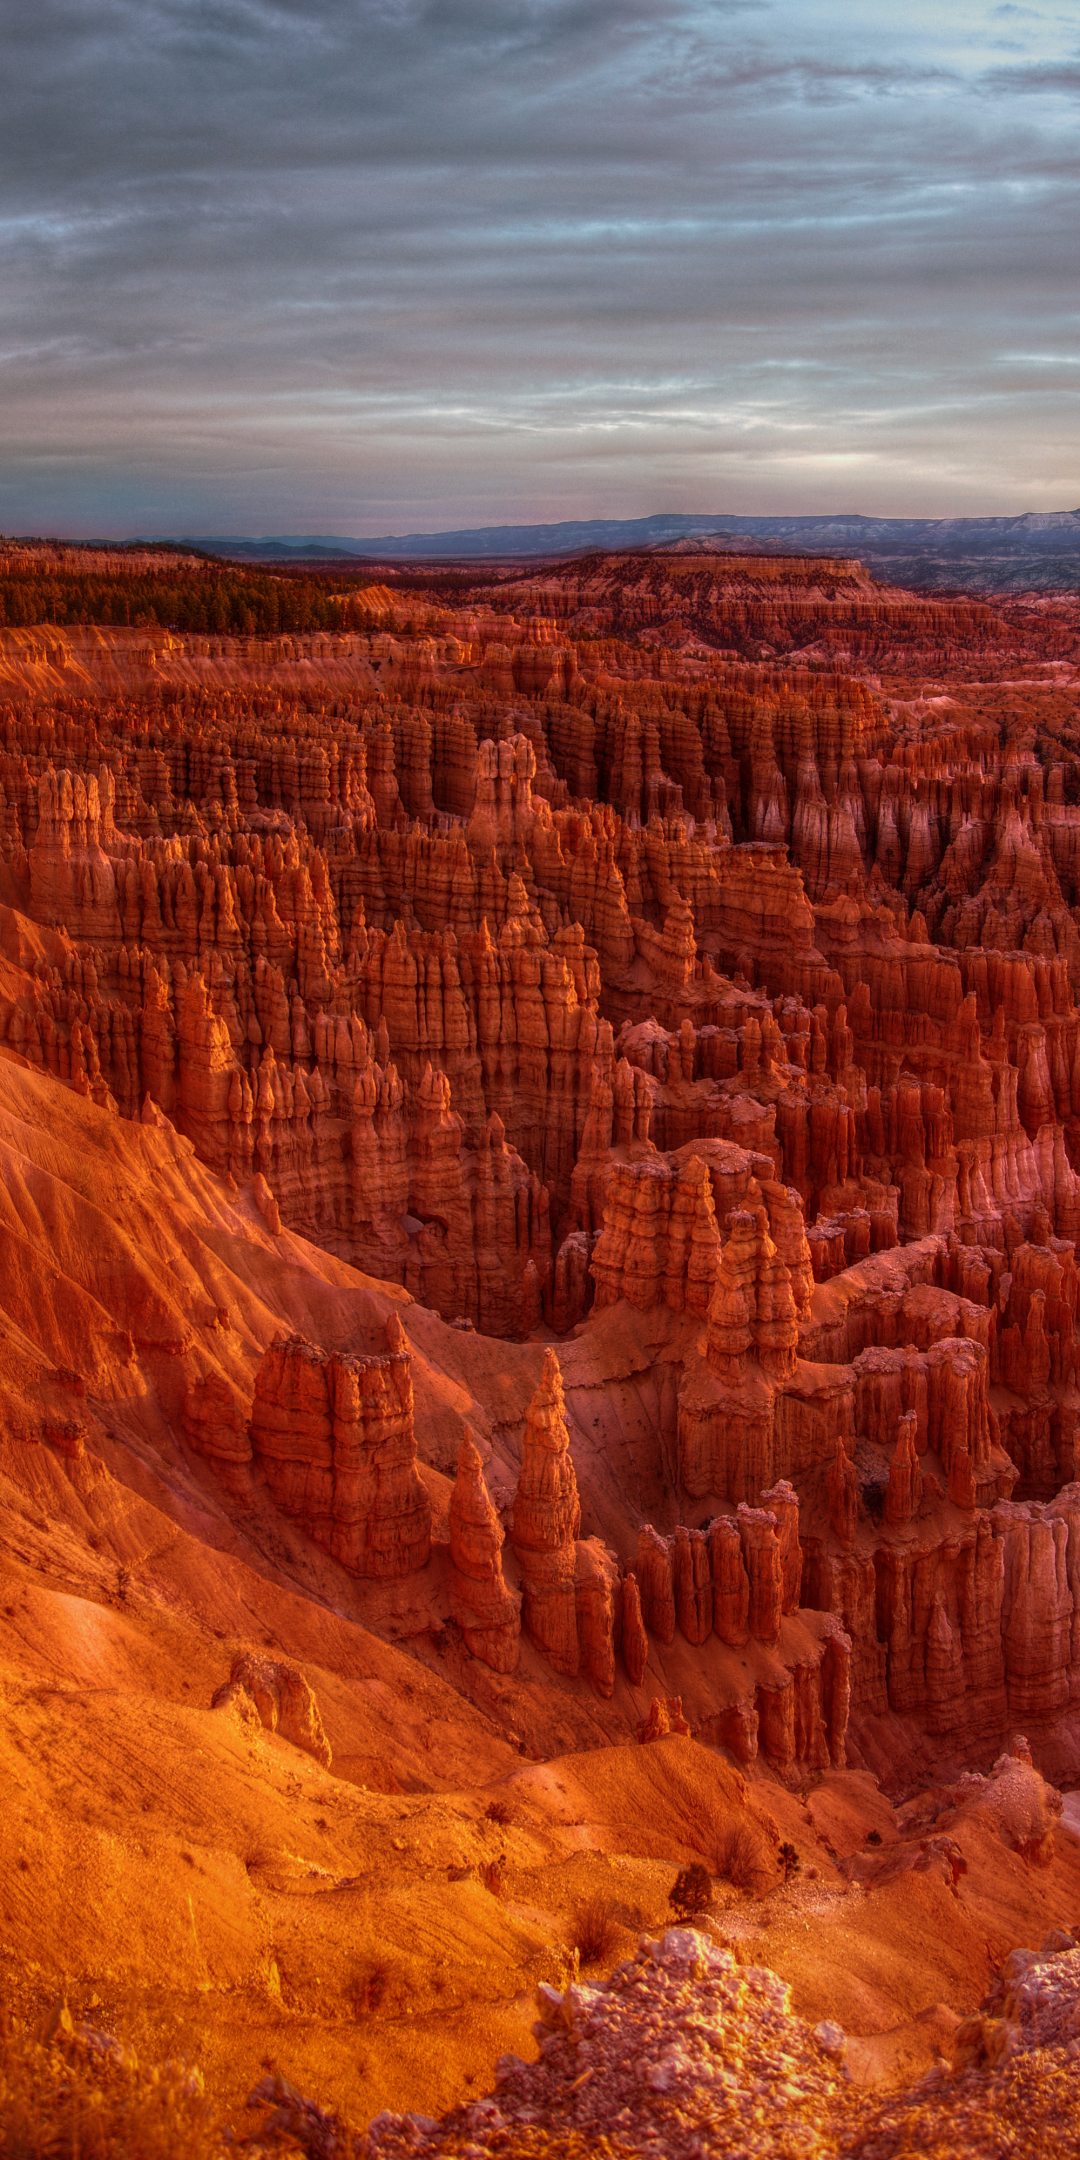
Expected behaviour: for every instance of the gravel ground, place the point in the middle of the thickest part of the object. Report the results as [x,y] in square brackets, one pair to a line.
[682,2053]
[686,2055]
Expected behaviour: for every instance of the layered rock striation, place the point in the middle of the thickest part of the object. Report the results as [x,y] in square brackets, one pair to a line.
[608,949]
[486,1610]
[333,1437]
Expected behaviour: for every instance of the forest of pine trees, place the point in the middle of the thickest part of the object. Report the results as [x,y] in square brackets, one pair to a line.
[225,601]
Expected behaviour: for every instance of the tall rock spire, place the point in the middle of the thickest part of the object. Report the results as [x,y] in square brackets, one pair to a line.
[547,1518]
[486,1610]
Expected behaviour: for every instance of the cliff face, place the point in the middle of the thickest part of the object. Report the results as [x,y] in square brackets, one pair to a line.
[604,944]
[334,1438]
[392,966]
[488,1613]
[547,1518]
[752,603]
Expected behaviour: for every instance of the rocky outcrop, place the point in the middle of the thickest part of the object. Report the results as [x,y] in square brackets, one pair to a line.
[904,1493]
[596,1598]
[635,1642]
[665,1717]
[735,1587]
[659,1244]
[656,1583]
[692,1584]
[276,1694]
[763,1561]
[486,1610]
[72,879]
[333,1436]
[752,1309]
[546,1521]
[216,1425]
[731,1584]
[782,1503]
[843,1490]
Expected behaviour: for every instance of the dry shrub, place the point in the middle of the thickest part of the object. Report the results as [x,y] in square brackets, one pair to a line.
[691,1893]
[595,1930]
[64,2099]
[742,1860]
[499,1811]
[368,1987]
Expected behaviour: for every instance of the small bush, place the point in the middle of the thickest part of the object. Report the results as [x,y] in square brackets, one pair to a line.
[691,1892]
[740,1857]
[788,1861]
[873,1837]
[499,1811]
[595,1932]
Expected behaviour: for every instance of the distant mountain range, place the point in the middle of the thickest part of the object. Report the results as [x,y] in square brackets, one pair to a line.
[1038,551]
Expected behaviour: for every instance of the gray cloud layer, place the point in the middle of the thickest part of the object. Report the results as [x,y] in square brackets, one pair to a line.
[340,265]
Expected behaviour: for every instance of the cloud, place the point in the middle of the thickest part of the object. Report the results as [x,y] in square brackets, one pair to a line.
[276,261]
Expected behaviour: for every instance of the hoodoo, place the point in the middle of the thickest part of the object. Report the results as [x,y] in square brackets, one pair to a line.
[488,1613]
[547,1518]
[539,1192]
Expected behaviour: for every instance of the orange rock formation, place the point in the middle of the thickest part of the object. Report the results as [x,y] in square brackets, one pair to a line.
[609,959]
[488,1614]
[334,1438]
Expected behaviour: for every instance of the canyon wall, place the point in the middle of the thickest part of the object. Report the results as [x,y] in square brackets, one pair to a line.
[617,944]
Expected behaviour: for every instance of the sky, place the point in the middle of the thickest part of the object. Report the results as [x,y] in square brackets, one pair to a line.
[373,266]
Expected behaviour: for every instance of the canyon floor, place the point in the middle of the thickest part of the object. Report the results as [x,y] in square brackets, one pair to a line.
[538,1333]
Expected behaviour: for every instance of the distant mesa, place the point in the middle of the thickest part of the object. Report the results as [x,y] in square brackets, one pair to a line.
[1028,551]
